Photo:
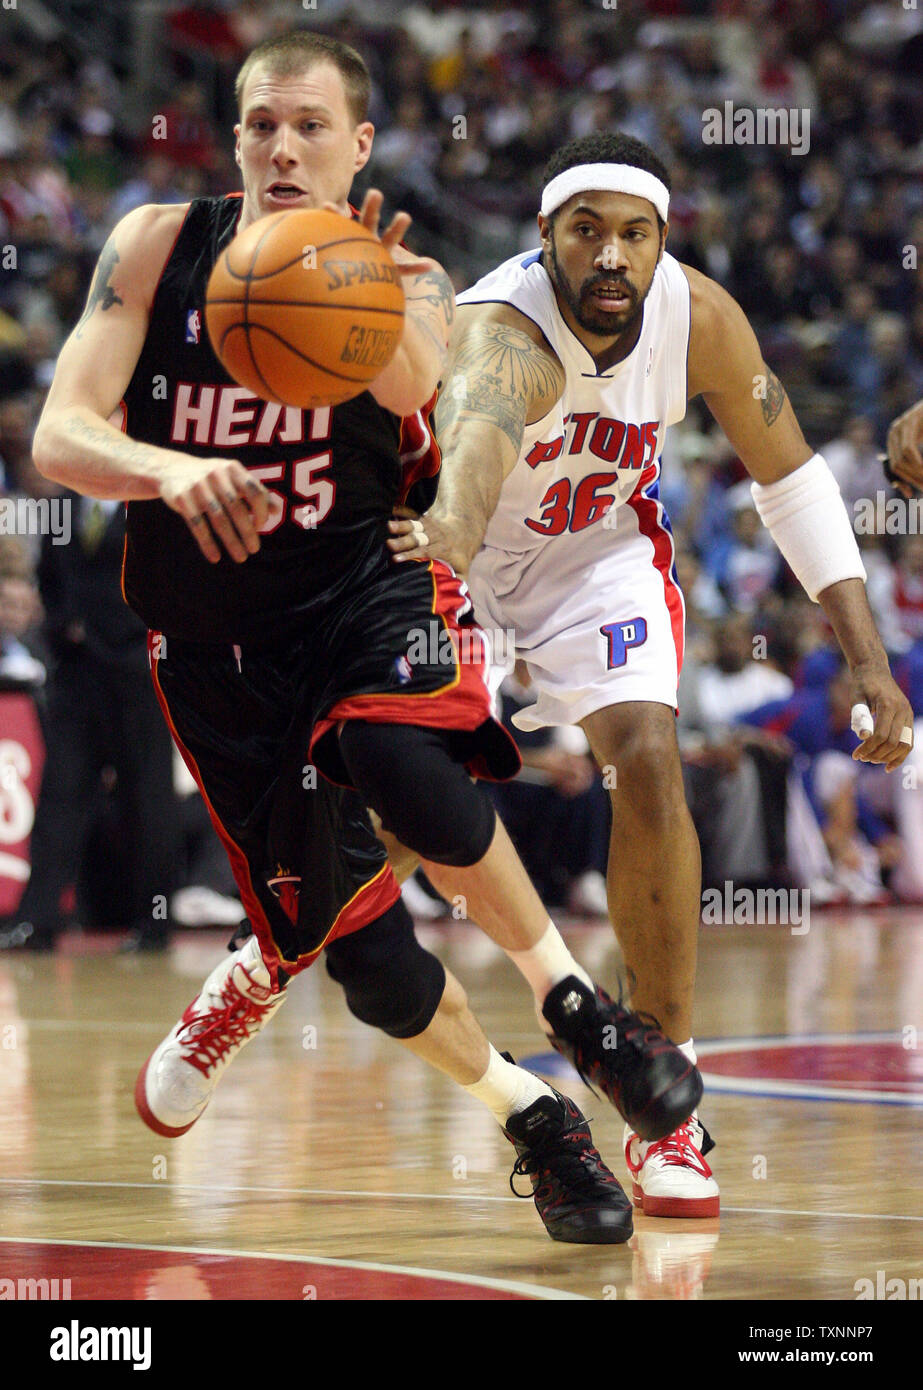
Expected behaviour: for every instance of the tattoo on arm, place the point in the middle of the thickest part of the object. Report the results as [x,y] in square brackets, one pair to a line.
[498,374]
[101,292]
[774,399]
[119,447]
[433,307]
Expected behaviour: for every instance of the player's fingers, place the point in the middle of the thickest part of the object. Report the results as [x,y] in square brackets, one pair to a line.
[210,507]
[257,499]
[201,533]
[903,748]
[241,487]
[238,509]
[413,545]
[370,211]
[402,510]
[415,267]
[398,544]
[221,523]
[395,229]
[897,732]
[891,729]
[408,541]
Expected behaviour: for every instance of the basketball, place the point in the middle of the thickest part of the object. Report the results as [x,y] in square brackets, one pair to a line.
[305,308]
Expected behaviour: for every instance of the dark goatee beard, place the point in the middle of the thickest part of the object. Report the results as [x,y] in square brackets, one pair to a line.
[607,325]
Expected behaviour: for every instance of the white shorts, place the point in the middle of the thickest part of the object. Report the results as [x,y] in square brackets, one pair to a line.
[598,617]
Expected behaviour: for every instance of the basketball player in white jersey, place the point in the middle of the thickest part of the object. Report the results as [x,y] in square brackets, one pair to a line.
[567,366]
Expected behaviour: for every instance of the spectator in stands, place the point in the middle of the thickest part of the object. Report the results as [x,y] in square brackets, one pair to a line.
[752,562]
[101,711]
[870,824]
[20,611]
[736,787]
[854,462]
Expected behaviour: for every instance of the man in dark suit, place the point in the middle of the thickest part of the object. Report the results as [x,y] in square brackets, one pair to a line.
[100,712]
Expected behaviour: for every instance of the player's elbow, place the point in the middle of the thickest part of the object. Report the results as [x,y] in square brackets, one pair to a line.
[46,451]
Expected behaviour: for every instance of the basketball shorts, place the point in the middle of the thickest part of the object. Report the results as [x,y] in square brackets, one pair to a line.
[598,617]
[257,728]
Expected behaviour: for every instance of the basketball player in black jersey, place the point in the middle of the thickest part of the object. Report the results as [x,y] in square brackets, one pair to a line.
[279,626]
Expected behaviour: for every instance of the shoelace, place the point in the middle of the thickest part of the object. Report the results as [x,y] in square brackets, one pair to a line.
[678,1149]
[220,1029]
[570,1164]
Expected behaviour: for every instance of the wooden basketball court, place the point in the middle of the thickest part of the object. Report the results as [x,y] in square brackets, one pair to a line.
[333,1164]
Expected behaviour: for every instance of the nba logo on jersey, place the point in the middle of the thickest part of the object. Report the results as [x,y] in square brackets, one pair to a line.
[193,326]
[404,670]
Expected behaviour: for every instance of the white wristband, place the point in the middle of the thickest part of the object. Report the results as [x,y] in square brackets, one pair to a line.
[805,515]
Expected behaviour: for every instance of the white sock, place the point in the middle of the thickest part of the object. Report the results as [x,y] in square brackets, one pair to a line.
[545,965]
[506,1089]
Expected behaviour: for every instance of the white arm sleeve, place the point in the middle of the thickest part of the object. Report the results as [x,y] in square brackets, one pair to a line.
[806,517]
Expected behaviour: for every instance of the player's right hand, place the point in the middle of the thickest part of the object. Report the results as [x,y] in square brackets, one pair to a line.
[219,501]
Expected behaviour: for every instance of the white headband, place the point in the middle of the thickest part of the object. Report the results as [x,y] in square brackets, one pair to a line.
[613,178]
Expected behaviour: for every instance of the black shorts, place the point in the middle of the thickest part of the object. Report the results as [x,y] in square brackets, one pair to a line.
[257,729]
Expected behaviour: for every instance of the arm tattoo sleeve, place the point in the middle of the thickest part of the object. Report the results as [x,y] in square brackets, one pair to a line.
[497,375]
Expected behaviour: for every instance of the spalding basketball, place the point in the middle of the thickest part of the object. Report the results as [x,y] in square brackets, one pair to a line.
[305,308]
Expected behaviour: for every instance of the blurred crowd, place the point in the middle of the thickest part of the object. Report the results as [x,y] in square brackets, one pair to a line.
[818,240]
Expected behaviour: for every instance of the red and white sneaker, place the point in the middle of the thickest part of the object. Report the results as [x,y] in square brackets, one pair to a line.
[176,1082]
[670,1177]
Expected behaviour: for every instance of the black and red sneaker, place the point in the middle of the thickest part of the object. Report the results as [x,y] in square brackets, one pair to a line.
[576,1196]
[651,1083]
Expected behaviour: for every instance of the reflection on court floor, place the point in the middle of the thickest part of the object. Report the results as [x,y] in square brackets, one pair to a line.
[333,1165]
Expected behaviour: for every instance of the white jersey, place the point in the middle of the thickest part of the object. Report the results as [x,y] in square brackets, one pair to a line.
[577,559]
[608,426]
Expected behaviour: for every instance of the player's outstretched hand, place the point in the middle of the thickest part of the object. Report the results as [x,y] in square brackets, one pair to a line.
[905,456]
[219,501]
[390,238]
[415,537]
[881,718]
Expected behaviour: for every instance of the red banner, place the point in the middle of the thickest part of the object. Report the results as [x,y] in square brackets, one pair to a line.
[22,757]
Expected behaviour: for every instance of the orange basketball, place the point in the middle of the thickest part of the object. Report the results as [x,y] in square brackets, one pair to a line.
[305,308]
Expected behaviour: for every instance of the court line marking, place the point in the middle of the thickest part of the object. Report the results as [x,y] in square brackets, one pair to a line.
[786,1089]
[822,1215]
[273,1191]
[543,1291]
[781,1088]
[395,1196]
[719,1083]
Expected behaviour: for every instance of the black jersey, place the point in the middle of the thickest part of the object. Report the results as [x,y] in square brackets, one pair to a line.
[334,473]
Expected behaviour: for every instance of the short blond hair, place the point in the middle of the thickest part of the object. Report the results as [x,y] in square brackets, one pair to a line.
[292,53]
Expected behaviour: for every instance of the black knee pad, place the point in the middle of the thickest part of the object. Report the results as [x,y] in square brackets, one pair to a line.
[420,791]
[389,980]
